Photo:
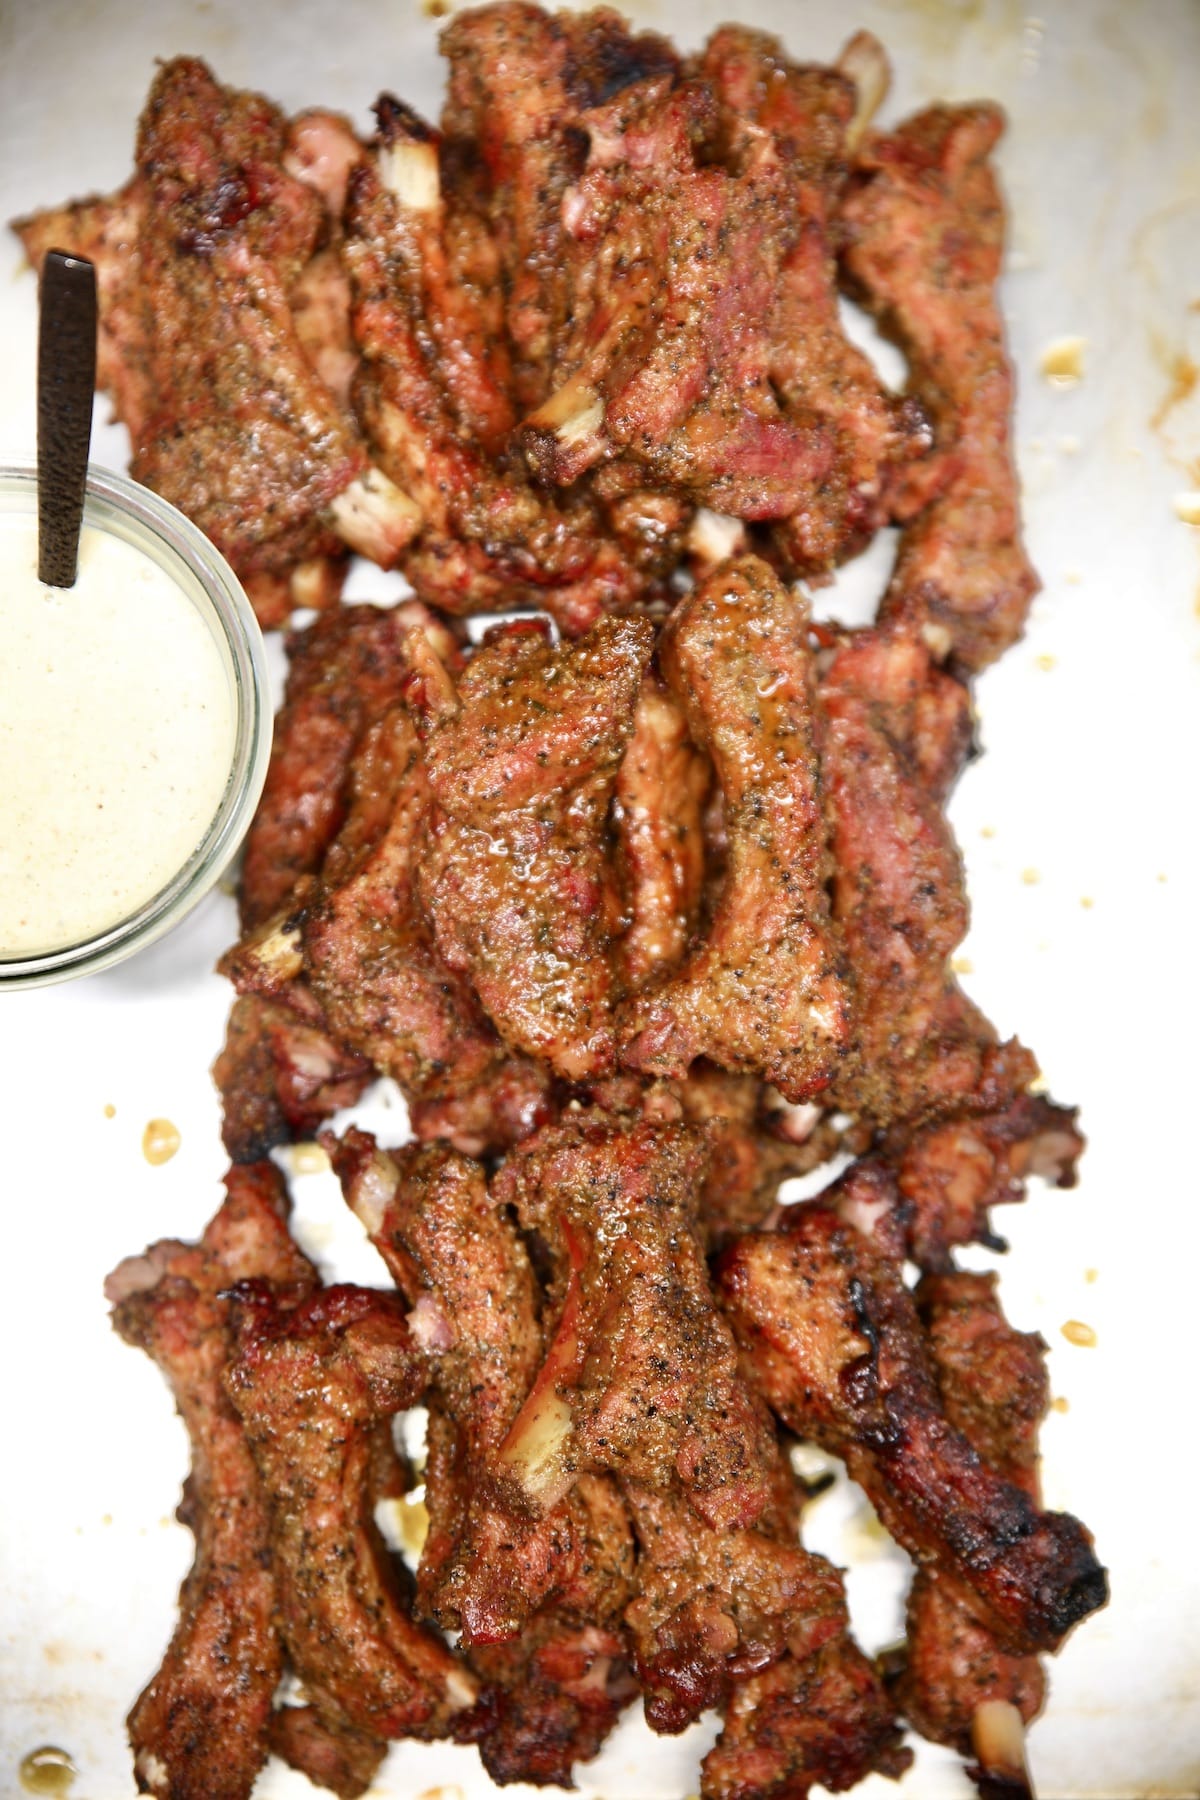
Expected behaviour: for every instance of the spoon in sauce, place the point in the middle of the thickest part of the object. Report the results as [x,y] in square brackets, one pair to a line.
[66,381]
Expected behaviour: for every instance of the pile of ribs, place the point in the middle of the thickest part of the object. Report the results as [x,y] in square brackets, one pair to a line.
[643,897]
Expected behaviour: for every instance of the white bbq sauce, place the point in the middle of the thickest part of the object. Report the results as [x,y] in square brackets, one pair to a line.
[117,734]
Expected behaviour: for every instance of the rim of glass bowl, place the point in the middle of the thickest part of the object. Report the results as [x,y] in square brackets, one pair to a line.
[112,501]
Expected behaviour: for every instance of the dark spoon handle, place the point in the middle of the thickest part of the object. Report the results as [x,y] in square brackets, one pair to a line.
[66,382]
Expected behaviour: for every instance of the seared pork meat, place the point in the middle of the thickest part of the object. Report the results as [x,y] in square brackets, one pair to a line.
[899,905]
[310,1386]
[351,948]
[667,366]
[105,229]
[834,1342]
[519,81]
[749,1154]
[509,1104]
[344,671]
[704,345]
[797,119]
[560,1688]
[993,1385]
[456,1257]
[824,1721]
[640,1375]
[925,711]
[658,808]
[228,417]
[488,540]
[951,1172]
[280,1075]
[762,992]
[715,1605]
[748,1159]
[923,227]
[516,876]
[368,951]
[333,1754]
[198,1730]
[538,1599]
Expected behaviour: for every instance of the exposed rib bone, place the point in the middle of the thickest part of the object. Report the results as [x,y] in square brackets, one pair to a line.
[713,538]
[573,414]
[375,517]
[864,60]
[998,1735]
[409,169]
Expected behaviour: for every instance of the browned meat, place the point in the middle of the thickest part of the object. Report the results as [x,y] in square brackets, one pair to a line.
[923,232]
[488,540]
[797,119]
[754,1140]
[519,81]
[762,992]
[675,268]
[925,711]
[833,1340]
[455,1254]
[703,346]
[510,1104]
[640,1375]
[516,877]
[227,415]
[747,1161]
[899,904]
[368,951]
[952,1663]
[343,671]
[105,229]
[823,1721]
[714,1606]
[561,1687]
[662,786]
[310,1386]
[321,150]
[951,1172]
[456,1257]
[331,1753]
[993,1384]
[992,1379]
[559,1582]
[320,303]
[198,1730]
[280,1075]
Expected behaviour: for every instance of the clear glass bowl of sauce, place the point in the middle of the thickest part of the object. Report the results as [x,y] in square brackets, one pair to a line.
[135,727]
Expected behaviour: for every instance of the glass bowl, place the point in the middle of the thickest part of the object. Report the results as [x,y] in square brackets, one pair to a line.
[121,508]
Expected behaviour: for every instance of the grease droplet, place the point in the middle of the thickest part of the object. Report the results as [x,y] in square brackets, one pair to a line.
[1030,877]
[160,1141]
[1076,1332]
[110,1111]
[47,1770]
[1060,1404]
[1062,361]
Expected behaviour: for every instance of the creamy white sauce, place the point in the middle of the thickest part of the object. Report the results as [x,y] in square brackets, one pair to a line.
[117,732]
